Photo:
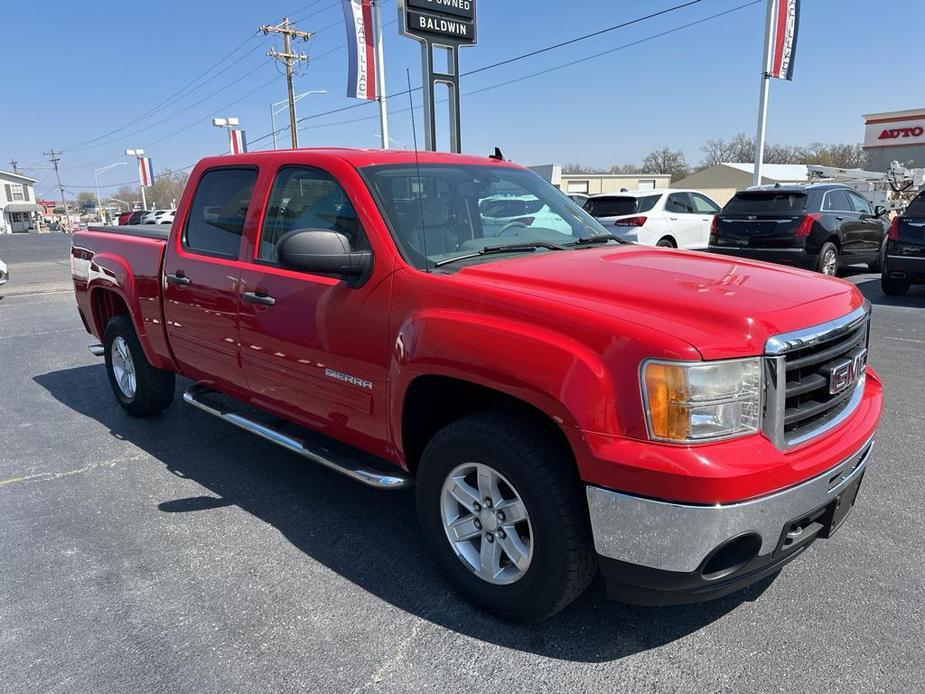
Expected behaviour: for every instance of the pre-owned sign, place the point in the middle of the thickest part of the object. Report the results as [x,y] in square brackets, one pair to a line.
[460,8]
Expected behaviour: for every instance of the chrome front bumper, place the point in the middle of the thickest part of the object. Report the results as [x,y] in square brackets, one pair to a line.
[678,537]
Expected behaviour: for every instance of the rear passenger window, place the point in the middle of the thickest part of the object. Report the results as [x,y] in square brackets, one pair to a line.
[308,198]
[217,213]
[837,201]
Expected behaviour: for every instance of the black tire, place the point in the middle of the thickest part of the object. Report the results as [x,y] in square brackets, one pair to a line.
[154,388]
[666,243]
[877,265]
[821,266]
[544,475]
[893,287]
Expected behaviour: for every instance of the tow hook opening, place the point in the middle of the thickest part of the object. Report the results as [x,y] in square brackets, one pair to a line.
[731,556]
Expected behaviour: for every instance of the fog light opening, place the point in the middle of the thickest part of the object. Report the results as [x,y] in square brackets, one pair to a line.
[731,556]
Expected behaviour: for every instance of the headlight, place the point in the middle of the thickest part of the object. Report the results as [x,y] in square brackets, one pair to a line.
[699,401]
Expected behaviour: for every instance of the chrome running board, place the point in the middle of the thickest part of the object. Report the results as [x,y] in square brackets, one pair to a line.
[97,350]
[317,453]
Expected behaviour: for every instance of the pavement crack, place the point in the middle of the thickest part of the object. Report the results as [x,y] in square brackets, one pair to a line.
[391,664]
[49,476]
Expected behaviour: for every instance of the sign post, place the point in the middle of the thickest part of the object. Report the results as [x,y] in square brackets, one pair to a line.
[441,25]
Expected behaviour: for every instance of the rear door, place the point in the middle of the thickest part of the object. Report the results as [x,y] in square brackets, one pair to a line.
[761,219]
[202,272]
[837,205]
[314,347]
[684,221]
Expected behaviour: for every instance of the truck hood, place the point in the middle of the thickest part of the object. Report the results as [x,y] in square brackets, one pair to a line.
[724,307]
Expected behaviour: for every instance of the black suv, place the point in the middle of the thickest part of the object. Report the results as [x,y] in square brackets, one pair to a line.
[904,257]
[818,226]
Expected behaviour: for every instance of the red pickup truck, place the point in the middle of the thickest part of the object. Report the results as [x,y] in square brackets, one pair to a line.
[563,402]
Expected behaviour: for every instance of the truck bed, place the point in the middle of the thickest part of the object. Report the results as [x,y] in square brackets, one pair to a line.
[147,231]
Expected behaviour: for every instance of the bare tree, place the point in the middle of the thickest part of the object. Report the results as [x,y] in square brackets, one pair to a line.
[625,169]
[575,168]
[666,161]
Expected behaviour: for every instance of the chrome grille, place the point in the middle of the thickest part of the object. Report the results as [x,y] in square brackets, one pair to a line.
[799,402]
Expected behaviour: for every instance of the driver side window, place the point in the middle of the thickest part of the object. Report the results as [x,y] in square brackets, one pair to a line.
[308,198]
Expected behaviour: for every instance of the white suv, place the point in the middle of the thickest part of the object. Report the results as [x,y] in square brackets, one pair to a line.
[661,217]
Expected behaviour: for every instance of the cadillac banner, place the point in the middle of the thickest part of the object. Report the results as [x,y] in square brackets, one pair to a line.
[786,26]
[361,50]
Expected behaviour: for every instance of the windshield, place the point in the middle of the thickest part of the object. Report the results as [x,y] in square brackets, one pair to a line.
[766,203]
[441,211]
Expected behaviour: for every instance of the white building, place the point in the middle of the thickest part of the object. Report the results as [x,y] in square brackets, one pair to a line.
[17,201]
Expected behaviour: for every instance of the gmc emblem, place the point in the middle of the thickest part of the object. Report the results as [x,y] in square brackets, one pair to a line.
[845,374]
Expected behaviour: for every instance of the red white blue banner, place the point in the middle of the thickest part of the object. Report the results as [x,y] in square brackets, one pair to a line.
[361,49]
[238,141]
[145,171]
[786,23]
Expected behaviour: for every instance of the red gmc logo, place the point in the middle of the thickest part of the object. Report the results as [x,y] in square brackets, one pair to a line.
[895,133]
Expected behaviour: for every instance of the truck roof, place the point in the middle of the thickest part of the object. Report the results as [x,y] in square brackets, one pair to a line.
[356,157]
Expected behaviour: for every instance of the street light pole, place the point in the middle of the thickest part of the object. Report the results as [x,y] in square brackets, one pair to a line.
[230,123]
[96,179]
[139,155]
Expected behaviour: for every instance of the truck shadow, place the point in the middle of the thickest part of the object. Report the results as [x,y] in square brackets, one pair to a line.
[874,294]
[369,537]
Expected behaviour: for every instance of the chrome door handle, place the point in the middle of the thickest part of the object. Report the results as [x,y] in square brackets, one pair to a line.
[178,279]
[673,218]
[259,298]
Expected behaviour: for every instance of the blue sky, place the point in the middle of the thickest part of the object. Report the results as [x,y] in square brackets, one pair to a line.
[81,70]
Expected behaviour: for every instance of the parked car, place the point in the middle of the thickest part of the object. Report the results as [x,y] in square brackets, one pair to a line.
[154,216]
[666,217]
[510,215]
[818,226]
[136,217]
[579,198]
[561,401]
[165,217]
[4,273]
[124,218]
[904,252]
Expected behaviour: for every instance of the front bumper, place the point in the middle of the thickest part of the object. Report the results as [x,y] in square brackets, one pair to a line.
[657,552]
[795,257]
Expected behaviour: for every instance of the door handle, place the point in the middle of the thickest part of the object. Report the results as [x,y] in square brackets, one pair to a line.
[259,298]
[674,219]
[179,278]
[838,219]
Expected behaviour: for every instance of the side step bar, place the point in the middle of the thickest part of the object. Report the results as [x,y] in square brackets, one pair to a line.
[97,350]
[343,464]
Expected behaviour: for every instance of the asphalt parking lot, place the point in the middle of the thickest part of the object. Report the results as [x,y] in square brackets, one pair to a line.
[180,554]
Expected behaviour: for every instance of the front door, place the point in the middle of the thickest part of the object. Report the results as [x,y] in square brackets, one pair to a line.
[683,220]
[850,228]
[202,277]
[314,347]
[872,231]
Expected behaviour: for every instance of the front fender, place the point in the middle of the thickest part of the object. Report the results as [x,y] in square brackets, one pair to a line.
[547,369]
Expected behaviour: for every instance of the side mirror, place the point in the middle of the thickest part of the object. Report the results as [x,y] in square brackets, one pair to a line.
[879,210]
[323,252]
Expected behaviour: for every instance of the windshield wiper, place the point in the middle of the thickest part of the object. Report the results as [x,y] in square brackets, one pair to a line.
[513,248]
[603,238]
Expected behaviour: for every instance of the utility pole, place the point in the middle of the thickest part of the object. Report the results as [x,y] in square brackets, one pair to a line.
[54,157]
[14,164]
[288,58]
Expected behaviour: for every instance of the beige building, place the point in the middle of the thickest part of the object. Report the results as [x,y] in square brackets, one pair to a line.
[592,184]
[721,181]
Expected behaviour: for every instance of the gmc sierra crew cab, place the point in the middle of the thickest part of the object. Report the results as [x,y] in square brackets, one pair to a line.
[562,401]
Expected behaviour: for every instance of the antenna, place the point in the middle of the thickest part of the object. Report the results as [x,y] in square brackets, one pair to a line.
[417,166]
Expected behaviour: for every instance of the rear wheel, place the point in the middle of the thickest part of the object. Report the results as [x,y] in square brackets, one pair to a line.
[893,287]
[140,388]
[666,243]
[828,259]
[504,515]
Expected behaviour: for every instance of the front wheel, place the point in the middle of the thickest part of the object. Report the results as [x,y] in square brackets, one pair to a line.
[502,510]
[140,389]
[828,259]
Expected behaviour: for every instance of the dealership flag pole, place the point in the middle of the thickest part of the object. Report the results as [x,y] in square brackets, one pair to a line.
[765,84]
[380,75]
[779,53]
